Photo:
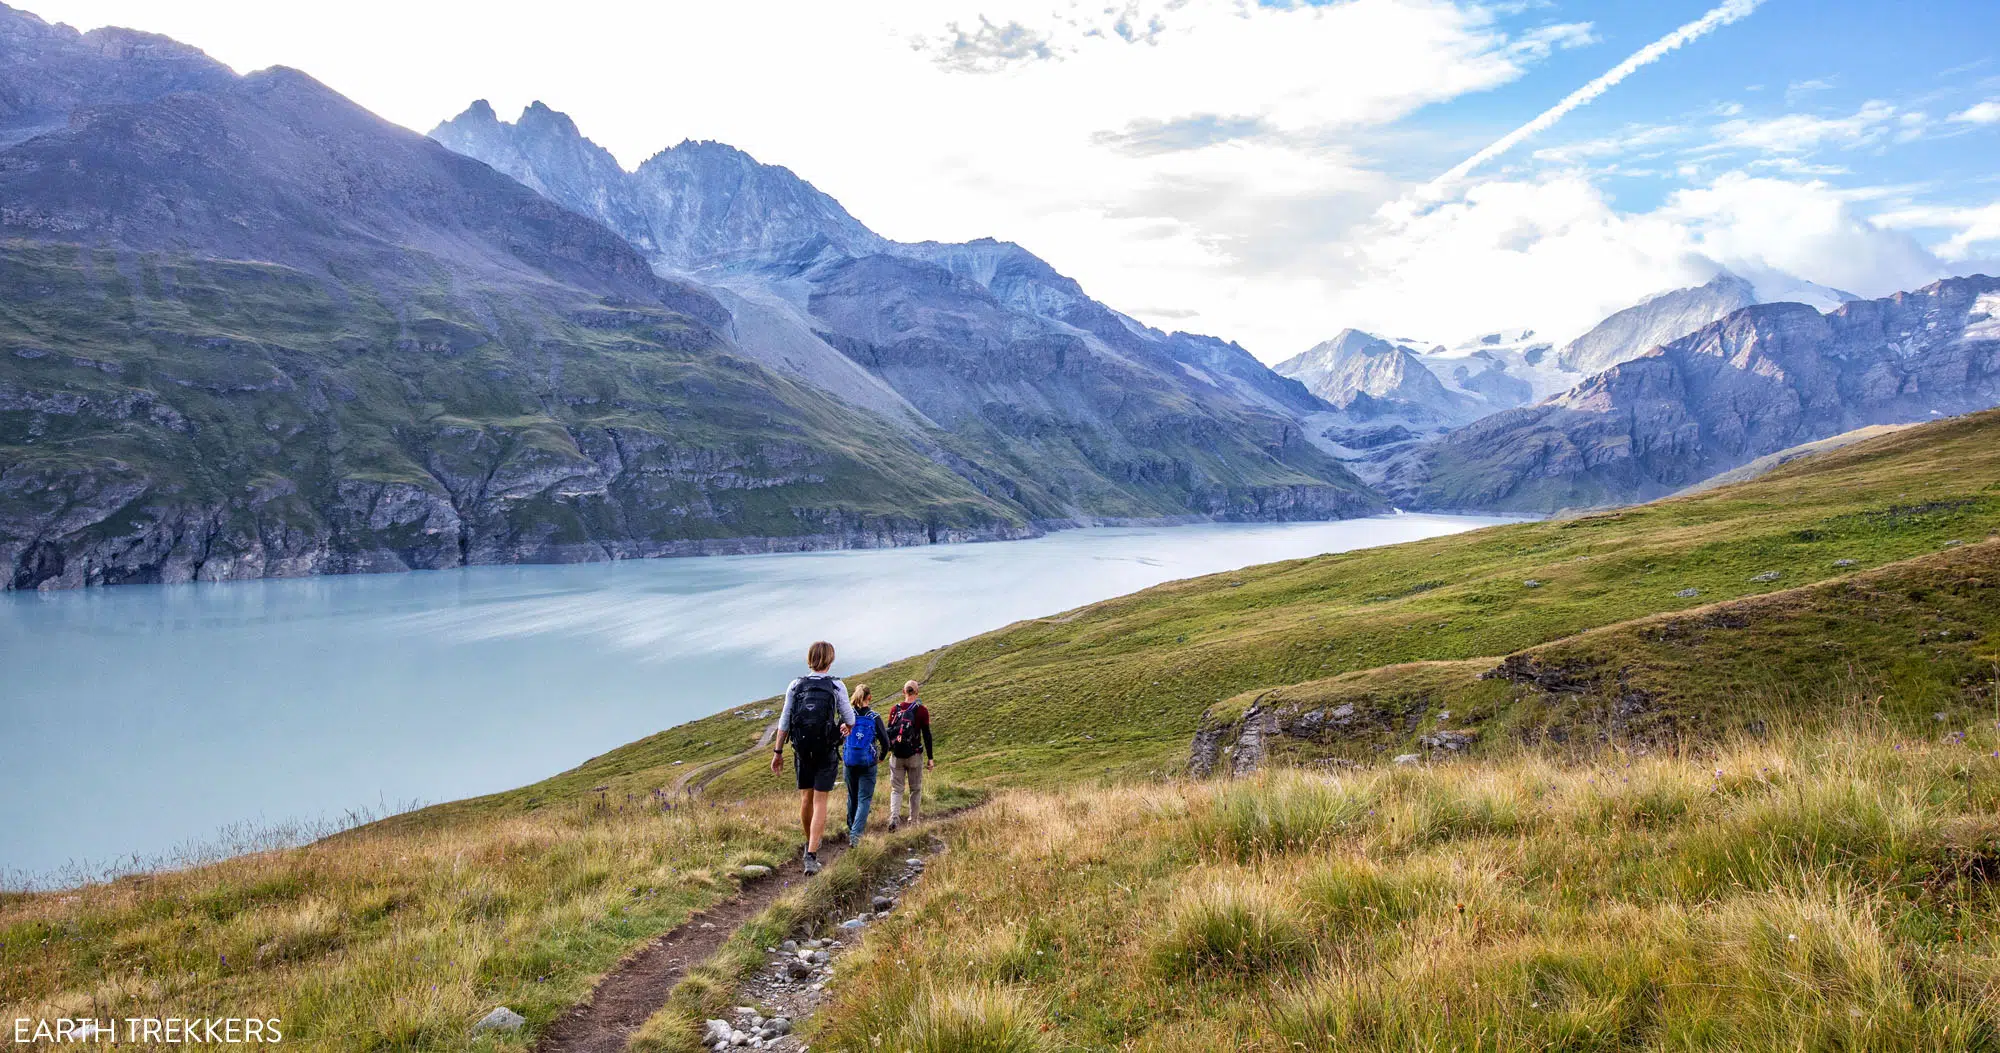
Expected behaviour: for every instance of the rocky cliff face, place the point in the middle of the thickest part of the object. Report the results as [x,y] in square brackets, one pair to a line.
[48,71]
[1041,395]
[1762,379]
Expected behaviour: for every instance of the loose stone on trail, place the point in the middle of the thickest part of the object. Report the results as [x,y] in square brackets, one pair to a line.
[500,1019]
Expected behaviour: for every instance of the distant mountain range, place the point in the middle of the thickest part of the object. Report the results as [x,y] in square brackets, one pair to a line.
[1757,381]
[1510,368]
[249,329]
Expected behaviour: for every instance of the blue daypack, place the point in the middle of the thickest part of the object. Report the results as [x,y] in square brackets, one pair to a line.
[860,746]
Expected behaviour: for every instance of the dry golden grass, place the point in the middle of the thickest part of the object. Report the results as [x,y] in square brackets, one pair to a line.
[384,938]
[1814,891]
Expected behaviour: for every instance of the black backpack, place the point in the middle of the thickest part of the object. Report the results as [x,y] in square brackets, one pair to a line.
[814,723]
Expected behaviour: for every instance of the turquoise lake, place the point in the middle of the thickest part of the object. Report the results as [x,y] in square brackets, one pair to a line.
[142,720]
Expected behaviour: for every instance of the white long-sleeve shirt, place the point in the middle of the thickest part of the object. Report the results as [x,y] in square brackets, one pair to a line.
[841,704]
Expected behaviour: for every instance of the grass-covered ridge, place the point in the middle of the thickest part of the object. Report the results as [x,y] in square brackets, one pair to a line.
[1117,690]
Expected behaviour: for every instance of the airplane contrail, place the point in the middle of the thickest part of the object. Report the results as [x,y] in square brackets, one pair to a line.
[1731,11]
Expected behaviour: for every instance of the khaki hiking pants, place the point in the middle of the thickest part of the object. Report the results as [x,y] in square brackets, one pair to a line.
[905,772]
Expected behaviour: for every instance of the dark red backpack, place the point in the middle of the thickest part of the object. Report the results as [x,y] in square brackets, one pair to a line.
[906,736]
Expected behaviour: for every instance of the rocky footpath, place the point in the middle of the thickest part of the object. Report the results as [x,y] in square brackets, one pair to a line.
[794,982]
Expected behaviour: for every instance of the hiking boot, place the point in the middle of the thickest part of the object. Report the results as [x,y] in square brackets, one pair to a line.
[812,864]
[892,824]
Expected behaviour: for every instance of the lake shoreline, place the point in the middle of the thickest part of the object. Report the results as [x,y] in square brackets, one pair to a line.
[279,703]
[574,554]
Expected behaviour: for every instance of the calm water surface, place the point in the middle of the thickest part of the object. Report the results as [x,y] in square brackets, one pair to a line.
[143,718]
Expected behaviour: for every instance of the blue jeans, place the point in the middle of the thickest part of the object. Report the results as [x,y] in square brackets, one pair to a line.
[860,795]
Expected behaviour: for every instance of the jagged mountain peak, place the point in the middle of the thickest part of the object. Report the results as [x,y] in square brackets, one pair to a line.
[541,113]
[1369,377]
[1672,314]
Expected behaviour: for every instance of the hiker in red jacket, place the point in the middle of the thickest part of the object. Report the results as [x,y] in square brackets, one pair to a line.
[909,752]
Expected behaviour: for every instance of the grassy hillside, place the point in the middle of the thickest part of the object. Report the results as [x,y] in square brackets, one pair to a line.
[1118,689]
[381,939]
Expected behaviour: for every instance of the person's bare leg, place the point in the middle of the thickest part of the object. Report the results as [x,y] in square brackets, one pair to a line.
[816,821]
[806,818]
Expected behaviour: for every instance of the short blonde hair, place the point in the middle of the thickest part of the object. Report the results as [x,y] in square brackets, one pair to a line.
[819,657]
[862,694]
[910,687]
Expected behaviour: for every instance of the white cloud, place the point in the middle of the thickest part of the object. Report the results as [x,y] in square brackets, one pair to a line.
[1557,36]
[1554,254]
[1987,112]
[1796,133]
[1642,140]
[1799,89]
[1973,229]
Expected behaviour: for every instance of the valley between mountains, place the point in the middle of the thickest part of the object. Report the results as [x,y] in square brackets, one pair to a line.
[275,335]
[1704,756]
[1715,772]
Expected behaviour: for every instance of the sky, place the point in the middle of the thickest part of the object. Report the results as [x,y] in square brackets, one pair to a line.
[1268,171]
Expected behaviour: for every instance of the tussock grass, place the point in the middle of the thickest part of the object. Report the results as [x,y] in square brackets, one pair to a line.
[972,1020]
[1243,926]
[1282,813]
[1809,890]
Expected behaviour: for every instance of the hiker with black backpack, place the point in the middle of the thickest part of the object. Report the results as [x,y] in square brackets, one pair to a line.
[865,746]
[909,752]
[815,719]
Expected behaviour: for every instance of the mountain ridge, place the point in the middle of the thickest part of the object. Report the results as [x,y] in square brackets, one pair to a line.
[276,335]
[1072,409]
[1764,378]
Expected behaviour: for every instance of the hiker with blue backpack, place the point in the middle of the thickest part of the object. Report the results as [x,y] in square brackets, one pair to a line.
[816,718]
[867,743]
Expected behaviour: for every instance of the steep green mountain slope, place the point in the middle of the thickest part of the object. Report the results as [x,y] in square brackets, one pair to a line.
[170,418]
[1122,688]
[272,334]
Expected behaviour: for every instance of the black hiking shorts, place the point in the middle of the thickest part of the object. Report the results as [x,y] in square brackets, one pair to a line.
[818,769]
